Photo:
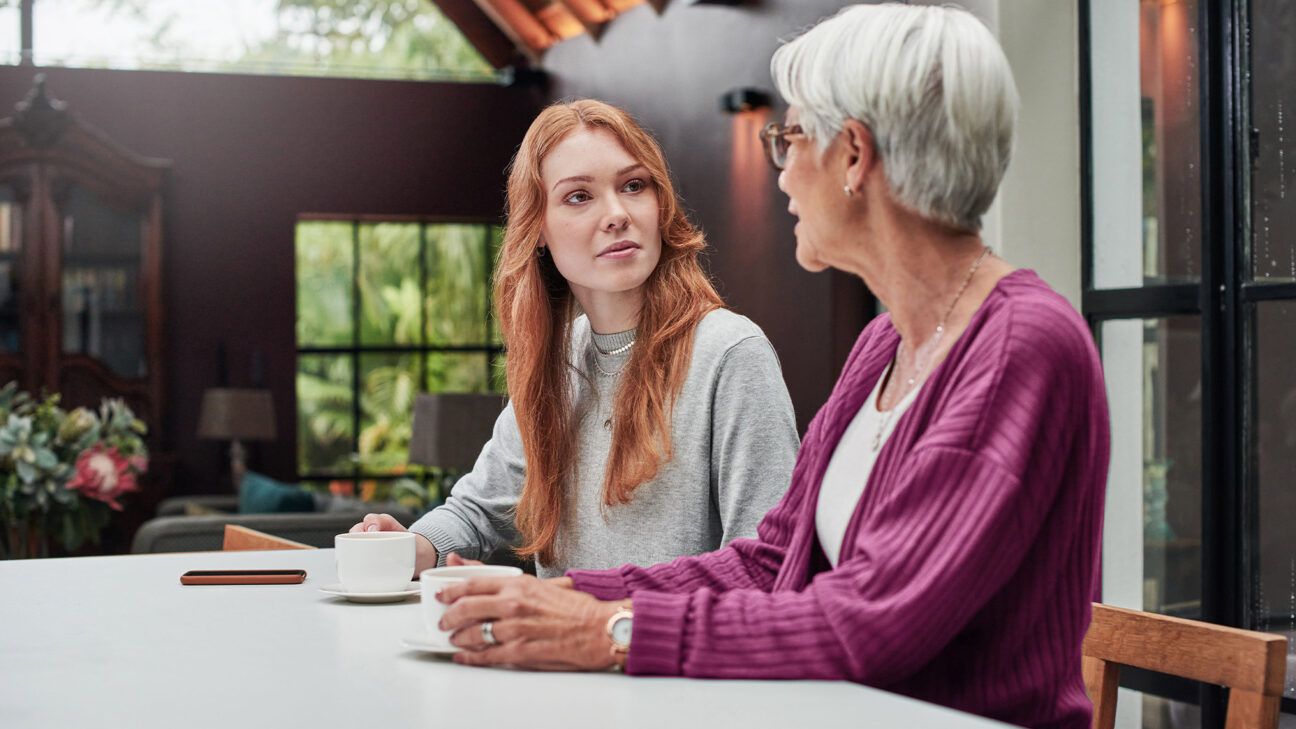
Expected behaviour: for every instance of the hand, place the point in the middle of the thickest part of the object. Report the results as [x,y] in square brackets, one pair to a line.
[378,523]
[454,560]
[539,625]
[425,555]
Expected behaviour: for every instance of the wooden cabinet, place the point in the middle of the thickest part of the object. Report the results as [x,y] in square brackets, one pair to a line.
[80,261]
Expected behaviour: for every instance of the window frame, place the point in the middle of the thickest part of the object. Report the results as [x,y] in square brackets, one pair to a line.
[27,49]
[355,349]
[1225,300]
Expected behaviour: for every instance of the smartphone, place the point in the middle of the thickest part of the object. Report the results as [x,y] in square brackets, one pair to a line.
[243,577]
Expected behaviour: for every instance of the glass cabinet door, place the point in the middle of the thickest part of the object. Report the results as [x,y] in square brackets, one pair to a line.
[11,220]
[102,251]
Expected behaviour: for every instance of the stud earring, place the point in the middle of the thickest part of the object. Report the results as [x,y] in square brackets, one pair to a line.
[847,189]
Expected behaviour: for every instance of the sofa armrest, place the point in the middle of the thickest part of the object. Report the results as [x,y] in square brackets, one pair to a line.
[176,505]
[207,533]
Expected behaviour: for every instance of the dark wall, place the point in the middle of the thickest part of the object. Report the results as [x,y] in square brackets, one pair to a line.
[249,155]
[670,70]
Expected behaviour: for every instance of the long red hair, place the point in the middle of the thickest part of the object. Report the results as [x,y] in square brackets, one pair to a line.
[535,307]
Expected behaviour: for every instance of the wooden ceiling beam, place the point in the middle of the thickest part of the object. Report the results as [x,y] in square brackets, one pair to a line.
[498,49]
[523,28]
[623,5]
[560,20]
[591,13]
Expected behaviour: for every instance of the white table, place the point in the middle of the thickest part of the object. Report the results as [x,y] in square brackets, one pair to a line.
[118,642]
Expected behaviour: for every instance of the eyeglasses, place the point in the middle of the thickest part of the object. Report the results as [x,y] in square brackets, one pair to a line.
[774,137]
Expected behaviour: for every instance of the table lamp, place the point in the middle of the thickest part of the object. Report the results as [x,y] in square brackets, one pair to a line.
[236,415]
[450,429]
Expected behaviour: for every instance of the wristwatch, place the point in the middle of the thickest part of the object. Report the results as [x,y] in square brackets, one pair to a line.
[619,629]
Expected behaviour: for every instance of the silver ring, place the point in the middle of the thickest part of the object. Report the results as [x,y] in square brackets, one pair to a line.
[488,633]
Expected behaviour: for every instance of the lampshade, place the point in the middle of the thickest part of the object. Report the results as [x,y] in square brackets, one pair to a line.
[236,414]
[451,428]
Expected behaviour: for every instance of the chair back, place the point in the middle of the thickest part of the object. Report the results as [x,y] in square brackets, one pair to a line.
[242,538]
[1251,664]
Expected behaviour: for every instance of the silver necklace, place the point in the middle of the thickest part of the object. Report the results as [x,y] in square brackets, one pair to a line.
[920,368]
[618,350]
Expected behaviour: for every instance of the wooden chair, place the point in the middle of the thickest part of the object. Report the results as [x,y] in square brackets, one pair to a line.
[241,538]
[1251,664]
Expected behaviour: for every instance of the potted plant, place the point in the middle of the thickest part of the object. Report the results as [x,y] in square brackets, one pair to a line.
[62,472]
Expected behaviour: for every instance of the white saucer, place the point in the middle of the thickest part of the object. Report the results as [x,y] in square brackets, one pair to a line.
[371,597]
[422,643]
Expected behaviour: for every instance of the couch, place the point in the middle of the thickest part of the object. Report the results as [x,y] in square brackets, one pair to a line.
[197,523]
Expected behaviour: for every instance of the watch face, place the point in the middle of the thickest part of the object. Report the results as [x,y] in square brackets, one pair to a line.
[621,630]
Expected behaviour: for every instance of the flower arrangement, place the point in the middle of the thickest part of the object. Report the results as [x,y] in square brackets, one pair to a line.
[62,472]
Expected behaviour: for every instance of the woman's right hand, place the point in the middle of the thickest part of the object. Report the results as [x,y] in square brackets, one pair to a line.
[378,523]
[425,555]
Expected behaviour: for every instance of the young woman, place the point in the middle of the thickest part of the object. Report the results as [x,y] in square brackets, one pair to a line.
[645,421]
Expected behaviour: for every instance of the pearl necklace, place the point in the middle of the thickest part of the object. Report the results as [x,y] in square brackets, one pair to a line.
[618,350]
[929,347]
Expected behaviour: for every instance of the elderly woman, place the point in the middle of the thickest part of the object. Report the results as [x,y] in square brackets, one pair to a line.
[940,537]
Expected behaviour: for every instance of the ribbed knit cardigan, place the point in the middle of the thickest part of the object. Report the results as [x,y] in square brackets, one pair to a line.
[968,567]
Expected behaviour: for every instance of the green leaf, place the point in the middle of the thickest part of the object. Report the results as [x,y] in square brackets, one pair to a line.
[26,471]
[45,459]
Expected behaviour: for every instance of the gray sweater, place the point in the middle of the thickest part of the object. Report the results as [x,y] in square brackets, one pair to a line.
[734,440]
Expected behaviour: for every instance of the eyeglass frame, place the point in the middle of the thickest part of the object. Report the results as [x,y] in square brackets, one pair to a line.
[774,140]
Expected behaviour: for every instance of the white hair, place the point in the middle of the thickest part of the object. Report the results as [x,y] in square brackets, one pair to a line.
[930,83]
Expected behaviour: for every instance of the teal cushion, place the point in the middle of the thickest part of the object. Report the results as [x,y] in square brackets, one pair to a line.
[260,494]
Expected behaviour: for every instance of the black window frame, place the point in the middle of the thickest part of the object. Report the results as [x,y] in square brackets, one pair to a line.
[493,351]
[1226,302]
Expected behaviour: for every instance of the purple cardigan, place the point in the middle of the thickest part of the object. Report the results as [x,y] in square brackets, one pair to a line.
[968,567]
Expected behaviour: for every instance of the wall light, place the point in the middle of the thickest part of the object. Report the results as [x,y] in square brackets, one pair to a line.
[744,98]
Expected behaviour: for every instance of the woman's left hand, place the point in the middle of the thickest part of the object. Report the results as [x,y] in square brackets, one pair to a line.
[536,624]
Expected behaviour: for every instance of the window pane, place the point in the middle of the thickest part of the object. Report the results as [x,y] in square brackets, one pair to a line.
[457,372]
[1153,371]
[409,39]
[389,284]
[1273,102]
[324,284]
[325,422]
[1274,401]
[457,284]
[499,374]
[1161,713]
[1146,144]
[387,387]
[497,241]
[10,34]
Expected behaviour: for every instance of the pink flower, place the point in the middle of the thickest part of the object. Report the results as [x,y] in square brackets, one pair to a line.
[102,474]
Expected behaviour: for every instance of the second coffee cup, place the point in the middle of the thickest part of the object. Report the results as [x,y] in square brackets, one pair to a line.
[436,578]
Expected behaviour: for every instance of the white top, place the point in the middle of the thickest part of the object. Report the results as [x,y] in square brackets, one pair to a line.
[118,642]
[852,462]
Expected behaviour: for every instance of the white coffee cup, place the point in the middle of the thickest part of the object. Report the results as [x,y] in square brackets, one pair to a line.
[374,561]
[438,577]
